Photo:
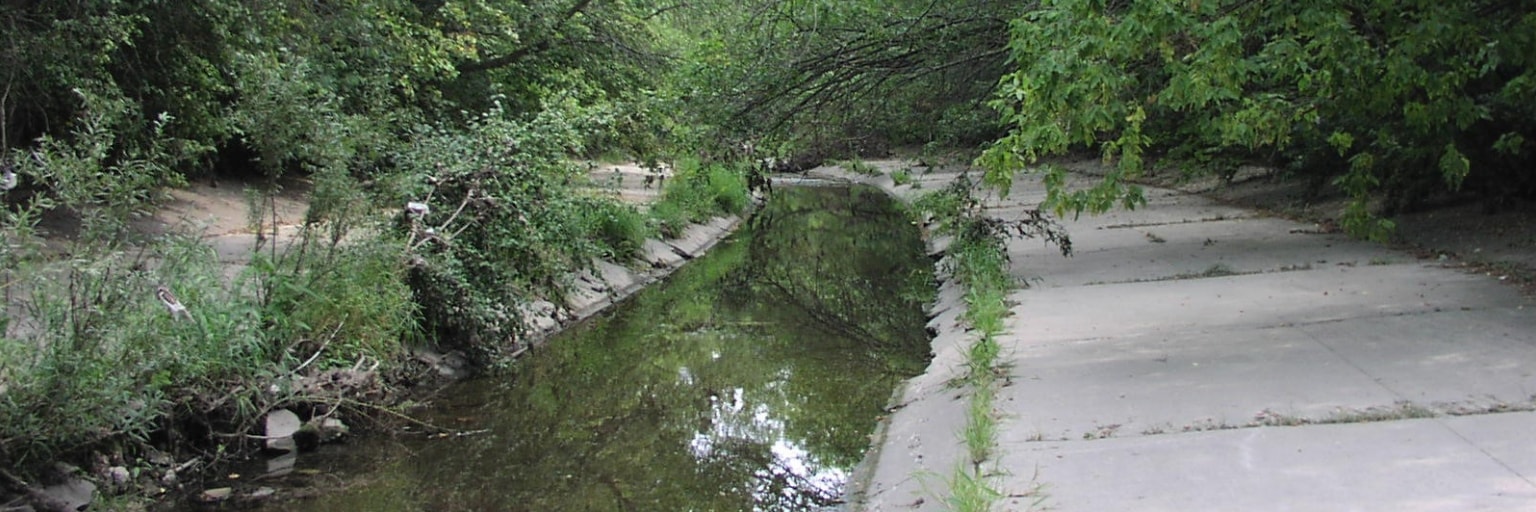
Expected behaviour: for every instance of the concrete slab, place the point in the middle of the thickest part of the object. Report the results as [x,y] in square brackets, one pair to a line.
[1504,437]
[1449,362]
[1460,360]
[1415,465]
[1191,249]
[693,240]
[661,255]
[587,295]
[1141,378]
[907,470]
[1283,298]
[1157,383]
[697,238]
[1173,211]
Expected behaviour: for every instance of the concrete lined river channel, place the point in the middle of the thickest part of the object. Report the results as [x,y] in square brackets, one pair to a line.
[749,380]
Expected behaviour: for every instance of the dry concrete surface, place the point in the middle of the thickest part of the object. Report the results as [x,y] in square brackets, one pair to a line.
[1197,356]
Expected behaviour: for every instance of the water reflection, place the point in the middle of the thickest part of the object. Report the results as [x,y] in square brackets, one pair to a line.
[750,381]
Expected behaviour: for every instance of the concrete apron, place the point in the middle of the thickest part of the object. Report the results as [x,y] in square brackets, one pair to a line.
[1195,356]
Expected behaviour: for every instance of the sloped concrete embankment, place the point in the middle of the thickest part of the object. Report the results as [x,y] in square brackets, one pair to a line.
[591,292]
[917,447]
[610,282]
[219,215]
[1199,356]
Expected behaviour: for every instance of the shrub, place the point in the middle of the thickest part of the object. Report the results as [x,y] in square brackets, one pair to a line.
[729,188]
[696,193]
[860,167]
[620,229]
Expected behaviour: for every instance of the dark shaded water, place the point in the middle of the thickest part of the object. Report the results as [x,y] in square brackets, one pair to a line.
[749,381]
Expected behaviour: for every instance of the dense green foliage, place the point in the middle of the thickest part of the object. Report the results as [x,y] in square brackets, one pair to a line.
[1396,97]
[473,109]
[476,110]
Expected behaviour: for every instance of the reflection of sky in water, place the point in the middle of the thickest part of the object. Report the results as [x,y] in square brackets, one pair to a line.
[735,420]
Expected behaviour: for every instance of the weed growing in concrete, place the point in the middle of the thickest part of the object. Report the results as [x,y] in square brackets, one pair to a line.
[902,177]
[1398,411]
[980,432]
[970,491]
[859,167]
[978,259]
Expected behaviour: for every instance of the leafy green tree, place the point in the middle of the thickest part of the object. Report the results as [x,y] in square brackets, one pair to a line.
[1398,98]
[840,77]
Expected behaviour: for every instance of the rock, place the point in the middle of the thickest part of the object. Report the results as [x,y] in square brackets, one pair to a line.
[540,307]
[118,476]
[159,458]
[73,494]
[307,438]
[215,495]
[541,323]
[332,429]
[281,424]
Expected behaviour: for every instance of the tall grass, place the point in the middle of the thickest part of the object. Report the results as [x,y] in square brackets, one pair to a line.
[92,359]
[978,259]
[619,229]
[698,192]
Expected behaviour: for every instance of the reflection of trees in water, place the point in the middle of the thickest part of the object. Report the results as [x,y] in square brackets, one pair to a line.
[843,258]
[612,415]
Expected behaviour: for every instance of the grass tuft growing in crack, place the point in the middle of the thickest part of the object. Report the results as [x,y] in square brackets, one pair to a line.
[979,260]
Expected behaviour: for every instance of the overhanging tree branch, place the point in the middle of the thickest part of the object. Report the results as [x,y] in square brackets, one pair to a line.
[538,47]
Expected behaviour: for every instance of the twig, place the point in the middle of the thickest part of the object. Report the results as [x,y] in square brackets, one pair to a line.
[391,412]
[468,196]
[321,350]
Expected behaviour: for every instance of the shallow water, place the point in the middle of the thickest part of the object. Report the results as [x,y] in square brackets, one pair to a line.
[750,380]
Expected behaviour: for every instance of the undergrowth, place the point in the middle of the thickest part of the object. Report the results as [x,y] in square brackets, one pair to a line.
[698,192]
[131,348]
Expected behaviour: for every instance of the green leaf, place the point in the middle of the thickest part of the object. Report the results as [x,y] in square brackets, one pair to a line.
[1454,166]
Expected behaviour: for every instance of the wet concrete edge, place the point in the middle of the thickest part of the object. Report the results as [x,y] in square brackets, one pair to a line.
[945,332]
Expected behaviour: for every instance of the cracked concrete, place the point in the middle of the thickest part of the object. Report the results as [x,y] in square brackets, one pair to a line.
[1200,356]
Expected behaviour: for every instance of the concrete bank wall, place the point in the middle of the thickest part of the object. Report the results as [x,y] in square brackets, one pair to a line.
[915,450]
[609,282]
